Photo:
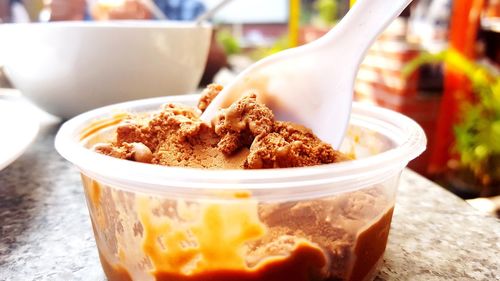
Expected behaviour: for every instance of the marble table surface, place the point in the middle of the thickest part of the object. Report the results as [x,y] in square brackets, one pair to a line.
[45,231]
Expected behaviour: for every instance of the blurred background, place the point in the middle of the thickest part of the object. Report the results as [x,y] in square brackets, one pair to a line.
[438,63]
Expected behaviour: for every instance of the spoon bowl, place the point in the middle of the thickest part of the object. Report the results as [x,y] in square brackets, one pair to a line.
[313,84]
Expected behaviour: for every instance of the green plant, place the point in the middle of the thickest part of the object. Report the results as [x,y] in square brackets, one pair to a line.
[229,43]
[281,43]
[477,134]
[327,12]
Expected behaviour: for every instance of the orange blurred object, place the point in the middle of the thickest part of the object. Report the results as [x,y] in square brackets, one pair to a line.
[463,33]
[120,10]
[61,10]
[493,9]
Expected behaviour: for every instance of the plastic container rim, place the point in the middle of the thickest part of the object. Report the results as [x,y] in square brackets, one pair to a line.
[409,138]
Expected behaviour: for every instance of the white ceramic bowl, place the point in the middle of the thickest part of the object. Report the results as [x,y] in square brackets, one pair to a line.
[70,67]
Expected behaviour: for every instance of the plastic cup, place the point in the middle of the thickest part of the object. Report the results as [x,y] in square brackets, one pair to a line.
[328,222]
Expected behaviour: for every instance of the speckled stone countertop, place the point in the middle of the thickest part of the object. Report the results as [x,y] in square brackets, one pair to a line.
[45,231]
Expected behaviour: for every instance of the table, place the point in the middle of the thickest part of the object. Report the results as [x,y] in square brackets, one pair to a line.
[45,231]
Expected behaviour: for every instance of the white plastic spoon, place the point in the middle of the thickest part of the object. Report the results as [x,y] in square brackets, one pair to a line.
[312,85]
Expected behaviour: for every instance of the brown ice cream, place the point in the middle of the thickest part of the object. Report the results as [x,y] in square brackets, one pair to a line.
[245,135]
[336,238]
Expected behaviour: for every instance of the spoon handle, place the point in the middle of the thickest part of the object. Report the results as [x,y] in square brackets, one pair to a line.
[363,23]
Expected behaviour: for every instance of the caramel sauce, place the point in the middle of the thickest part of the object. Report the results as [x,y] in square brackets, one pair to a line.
[114,272]
[194,246]
[370,246]
[101,124]
[208,242]
[305,263]
[94,190]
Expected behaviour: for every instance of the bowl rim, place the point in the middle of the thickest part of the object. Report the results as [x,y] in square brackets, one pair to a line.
[114,24]
[408,136]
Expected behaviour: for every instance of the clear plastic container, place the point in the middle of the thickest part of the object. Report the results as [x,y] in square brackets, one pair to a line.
[328,222]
